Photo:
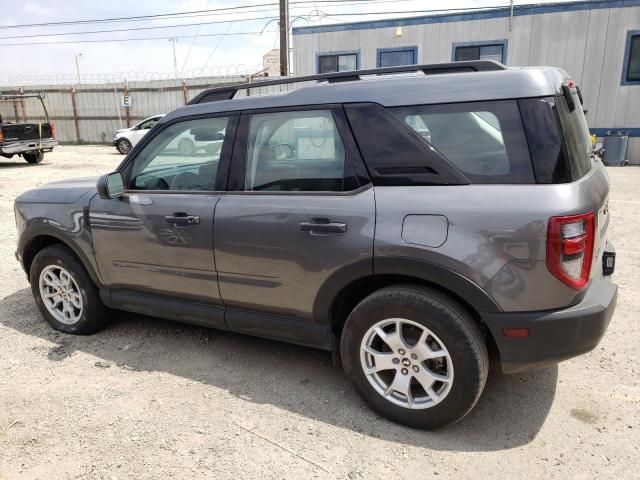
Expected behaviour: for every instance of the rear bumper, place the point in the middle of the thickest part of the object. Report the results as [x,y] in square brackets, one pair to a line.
[554,335]
[25,146]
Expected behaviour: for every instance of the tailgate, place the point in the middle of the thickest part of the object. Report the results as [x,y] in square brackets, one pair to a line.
[25,131]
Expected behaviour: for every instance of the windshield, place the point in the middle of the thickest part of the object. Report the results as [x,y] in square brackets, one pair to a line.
[576,131]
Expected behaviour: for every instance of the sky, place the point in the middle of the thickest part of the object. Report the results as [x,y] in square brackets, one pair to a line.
[234,51]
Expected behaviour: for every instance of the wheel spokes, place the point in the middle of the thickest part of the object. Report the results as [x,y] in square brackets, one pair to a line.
[382,361]
[394,339]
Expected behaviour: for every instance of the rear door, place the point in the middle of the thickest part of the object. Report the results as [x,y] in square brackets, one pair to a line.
[297,210]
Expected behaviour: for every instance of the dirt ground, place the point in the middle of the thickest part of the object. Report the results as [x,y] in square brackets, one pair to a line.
[149,398]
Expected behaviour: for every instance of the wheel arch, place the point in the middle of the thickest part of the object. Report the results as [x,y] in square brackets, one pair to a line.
[43,239]
[351,284]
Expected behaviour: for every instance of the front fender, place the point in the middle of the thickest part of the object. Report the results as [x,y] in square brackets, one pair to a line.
[70,228]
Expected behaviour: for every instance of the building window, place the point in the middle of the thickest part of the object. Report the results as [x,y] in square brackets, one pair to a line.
[392,57]
[337,62]
[492,50]
[631,71]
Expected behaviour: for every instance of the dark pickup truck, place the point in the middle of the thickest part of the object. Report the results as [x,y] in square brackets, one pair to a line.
[29,140]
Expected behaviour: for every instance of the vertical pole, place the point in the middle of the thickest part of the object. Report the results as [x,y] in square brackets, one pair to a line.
[23,107]
[127,110]
[78,67]
[15,111]
[185,97]
[284,38]
[175,59]
[511,17]
[115,94]
[76,121]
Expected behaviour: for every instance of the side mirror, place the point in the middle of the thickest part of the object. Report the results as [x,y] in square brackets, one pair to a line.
[110,186]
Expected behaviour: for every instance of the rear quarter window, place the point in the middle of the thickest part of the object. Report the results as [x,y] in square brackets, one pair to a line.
[484,140]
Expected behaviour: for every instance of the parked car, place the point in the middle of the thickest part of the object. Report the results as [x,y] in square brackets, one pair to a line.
[27,140]
[125,138]
[186,144]
[415,225]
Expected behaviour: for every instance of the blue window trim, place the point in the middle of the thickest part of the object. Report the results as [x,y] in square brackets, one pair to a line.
[504,12]
[338,52]
[625,62]
[412,48]
[482,43]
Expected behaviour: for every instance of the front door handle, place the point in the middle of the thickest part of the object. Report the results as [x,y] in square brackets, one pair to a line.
[180,218]
[322,225]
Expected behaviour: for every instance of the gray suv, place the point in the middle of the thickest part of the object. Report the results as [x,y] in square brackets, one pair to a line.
[417,224]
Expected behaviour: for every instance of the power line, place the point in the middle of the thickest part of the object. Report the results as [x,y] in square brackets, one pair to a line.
[228,10]
[216,22]
[193,40]
[93,32]
[160,16]
[112,40]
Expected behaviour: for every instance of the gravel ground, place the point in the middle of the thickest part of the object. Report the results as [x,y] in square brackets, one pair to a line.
[149,398]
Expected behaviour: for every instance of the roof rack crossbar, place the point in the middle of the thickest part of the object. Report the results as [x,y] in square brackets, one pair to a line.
[229,91]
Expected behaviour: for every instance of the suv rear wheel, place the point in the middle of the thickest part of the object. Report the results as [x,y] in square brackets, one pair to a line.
[415,356]
[64,292]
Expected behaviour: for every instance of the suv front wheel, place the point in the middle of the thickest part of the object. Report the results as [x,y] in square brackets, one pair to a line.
[67,298]
[415,356]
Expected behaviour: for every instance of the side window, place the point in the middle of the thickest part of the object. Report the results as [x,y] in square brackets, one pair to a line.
[337,62]
[484,140]
[631,72]
[296,151]
[488,51]
[149,123]
[391,57]
[183,156]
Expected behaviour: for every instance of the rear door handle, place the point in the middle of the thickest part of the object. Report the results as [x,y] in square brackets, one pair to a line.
[180,218]
[321,225]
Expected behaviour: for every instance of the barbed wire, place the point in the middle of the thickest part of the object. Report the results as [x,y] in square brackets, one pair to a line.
[224,71]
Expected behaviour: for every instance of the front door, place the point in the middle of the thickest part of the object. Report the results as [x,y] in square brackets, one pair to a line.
[297,211]
[156,239]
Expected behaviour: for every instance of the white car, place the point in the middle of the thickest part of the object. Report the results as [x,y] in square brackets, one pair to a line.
[186,143]
[124,139]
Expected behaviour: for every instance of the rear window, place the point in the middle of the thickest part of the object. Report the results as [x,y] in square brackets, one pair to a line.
[484,140]
[576,135]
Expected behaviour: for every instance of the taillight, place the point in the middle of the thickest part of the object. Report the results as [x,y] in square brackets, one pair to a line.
[1,135]
[52,125]
[570,242]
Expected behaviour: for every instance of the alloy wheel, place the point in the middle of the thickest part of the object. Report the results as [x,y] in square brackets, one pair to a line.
[60,294]
[406,363]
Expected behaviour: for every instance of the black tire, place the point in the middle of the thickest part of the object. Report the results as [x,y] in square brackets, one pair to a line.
[123,146]
[187,147]
[446,319]
[94,315]
[33,158]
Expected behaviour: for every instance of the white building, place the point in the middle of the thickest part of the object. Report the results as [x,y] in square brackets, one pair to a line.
[271,62]
[597,42]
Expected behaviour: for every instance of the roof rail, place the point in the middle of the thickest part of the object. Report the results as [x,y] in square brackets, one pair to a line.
[229,91]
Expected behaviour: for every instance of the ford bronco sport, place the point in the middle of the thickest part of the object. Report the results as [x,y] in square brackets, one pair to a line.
[416,224]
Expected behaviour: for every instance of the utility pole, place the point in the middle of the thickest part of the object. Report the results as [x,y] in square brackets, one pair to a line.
[77,56]
[175,60]
[284,38]
[511,16]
